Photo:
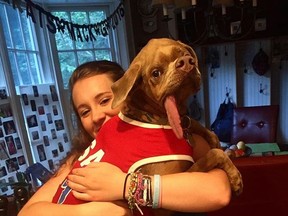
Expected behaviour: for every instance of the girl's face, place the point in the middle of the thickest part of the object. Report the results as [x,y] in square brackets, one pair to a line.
[92,98]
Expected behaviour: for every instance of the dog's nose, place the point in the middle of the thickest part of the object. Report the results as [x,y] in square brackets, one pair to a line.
[185,63]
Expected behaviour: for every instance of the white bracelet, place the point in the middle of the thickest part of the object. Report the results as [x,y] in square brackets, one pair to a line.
[156,191]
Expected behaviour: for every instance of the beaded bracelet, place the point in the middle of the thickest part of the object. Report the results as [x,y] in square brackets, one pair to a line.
[132,190]
[140,191]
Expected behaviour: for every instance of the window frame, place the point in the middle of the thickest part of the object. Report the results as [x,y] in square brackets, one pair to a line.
[119,53]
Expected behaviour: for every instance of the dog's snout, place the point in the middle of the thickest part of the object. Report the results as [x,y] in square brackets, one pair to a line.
[185,63]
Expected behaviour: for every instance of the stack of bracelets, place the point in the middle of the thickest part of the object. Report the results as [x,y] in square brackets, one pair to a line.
[140,191]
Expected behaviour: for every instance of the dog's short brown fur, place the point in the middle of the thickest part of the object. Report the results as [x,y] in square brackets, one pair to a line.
[165,70]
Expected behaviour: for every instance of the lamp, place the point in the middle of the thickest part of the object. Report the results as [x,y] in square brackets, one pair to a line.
[228,20]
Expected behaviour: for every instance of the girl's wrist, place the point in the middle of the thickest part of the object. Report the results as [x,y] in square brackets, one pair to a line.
[142,190]
[126,186]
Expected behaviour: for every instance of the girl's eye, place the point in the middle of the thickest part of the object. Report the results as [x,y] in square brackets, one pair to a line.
[105,101]
[83,113]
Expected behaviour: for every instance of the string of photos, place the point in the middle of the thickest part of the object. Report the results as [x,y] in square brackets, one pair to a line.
[76,31]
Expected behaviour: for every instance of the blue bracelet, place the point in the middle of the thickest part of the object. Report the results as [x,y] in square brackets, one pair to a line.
[156,191]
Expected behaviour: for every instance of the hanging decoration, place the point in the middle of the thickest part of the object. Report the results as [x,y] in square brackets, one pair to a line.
[84,32]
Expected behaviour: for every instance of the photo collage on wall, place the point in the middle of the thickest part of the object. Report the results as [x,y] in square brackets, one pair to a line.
[12,158]
[48,137]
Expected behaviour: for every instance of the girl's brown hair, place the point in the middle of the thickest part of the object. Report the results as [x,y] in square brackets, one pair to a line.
[81,140]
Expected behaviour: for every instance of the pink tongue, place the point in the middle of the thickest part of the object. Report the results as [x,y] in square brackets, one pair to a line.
[173,116]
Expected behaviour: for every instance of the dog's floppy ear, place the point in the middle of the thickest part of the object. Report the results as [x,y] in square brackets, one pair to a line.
[122,87]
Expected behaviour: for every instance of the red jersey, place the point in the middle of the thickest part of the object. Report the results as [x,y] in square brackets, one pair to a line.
[128,144]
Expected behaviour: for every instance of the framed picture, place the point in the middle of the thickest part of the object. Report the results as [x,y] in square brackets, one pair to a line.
[41,152]
[9,127]
[53,93]
[25,99]
[33,105]
[59,124]
[12,165]
[43,125]
[49,118]
[55,153]
[53,134]
[46,140]
[5,188]
[18,143]
[3,171]
[35,135]
[41,110]
[55,110]
[32,121]
[3,94]
[3,151]
[11,145]
[35,91]
[21,160]
[45,99]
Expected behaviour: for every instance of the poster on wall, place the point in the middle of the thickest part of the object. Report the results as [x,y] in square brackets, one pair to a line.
[12,159]
[46,129]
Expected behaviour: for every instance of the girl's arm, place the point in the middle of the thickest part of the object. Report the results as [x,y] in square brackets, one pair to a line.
[186,192]
[40,204]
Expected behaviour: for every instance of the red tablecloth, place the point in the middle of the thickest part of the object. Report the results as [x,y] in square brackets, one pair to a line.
[265,188]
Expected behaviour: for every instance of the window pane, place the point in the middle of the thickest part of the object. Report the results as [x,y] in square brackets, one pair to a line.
[95,17]
[34,68]
[72,53]
[15,28]
[5,25]
[14,69]
[22,46]
[63,40]
[81,18]
[85,56]
[102,42]
[23,68]
[68,63]
[28,36]
[103,54]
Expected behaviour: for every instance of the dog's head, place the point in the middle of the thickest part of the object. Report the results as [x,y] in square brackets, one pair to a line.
[165,72]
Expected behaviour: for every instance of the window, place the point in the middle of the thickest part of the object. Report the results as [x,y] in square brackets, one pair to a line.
[72,53]
[22,46]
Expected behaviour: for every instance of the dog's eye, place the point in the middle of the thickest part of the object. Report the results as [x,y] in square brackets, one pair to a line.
[156,73]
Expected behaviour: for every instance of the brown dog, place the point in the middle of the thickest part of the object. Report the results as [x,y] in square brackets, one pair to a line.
[154,90]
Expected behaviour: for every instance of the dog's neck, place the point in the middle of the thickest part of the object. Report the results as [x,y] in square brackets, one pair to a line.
[140,107]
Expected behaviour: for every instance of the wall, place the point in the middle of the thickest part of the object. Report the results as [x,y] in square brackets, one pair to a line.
[244,88]
[230,77]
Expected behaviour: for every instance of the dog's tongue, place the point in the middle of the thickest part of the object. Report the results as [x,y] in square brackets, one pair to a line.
[173,116]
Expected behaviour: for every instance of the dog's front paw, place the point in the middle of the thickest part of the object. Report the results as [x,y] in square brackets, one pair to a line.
[212,140]
[236,182]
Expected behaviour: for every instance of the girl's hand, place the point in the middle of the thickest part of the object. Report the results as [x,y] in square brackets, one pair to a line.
[98,181]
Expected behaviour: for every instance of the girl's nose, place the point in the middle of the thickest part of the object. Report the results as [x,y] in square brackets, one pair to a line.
[98,117]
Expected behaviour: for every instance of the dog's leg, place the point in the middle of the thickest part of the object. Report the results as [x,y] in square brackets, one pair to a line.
[191,126]
[216,158]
